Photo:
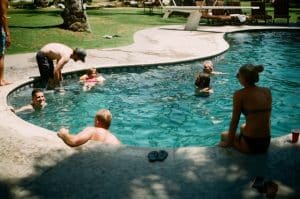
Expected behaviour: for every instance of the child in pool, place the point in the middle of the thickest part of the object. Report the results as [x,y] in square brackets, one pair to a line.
[91,78]
[203,85]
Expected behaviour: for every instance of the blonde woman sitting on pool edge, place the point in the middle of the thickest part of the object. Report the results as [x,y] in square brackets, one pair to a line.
[91,78]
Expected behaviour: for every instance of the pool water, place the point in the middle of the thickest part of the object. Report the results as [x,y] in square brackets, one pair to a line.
[157,106]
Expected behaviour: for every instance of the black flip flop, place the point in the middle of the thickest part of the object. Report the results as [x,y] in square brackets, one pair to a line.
[162,155]
[157,156]
[152,156]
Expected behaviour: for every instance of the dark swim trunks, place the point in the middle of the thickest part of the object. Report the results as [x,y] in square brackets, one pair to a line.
[46,68]
[256,145]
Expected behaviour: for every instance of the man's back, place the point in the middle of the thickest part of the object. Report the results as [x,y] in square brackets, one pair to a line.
[104,136]
[56,51]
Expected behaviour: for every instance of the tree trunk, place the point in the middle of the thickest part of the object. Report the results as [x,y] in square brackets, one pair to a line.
[74,16]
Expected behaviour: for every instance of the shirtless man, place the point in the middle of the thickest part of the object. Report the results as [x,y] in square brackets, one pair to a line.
[50,74]
[4,38]
[99,132]
[38,102]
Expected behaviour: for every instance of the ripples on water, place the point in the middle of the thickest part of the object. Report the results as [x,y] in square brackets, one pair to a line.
[157,107]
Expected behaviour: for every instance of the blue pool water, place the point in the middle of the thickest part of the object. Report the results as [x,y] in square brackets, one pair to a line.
[158,107]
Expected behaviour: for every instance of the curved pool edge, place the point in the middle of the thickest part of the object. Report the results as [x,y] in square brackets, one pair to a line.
[33,157]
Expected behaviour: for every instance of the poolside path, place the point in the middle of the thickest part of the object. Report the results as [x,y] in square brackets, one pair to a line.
[34,163]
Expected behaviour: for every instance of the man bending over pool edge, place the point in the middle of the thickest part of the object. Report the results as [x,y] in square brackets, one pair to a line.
[51,74]
[99,132]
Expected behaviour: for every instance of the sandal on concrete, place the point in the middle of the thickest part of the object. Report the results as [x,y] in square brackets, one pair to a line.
[157,156]
[152,156]
[162,155]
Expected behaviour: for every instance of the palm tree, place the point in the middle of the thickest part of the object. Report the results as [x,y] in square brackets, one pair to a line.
[74,16]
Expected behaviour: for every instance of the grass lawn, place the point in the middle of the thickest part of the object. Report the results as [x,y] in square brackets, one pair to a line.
[33,28]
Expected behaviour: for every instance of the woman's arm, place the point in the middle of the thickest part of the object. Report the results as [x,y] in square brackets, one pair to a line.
[236,113]
[83,77]
[100,79]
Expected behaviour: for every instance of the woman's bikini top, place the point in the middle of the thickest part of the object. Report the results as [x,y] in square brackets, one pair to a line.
[247,112]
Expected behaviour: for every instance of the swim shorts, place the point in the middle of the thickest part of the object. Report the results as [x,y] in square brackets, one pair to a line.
[256,145]
[2,41]
[46,67]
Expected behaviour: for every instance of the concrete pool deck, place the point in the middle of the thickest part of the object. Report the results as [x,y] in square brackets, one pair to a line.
[35,163]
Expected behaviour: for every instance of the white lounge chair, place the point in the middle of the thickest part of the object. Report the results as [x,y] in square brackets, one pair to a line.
[170,6]
[195,12]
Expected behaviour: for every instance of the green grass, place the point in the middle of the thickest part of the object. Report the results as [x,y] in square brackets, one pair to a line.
[31,29]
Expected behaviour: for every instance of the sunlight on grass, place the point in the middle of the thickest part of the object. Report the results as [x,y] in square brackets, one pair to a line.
[31,29]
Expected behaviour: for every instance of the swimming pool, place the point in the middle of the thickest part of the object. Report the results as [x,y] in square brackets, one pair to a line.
[157,106]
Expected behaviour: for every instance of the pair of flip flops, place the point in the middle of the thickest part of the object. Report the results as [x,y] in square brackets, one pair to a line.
[154,156]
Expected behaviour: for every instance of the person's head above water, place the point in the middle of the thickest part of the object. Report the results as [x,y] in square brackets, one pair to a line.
[92,73]
[103,118]
[38,98]
[248,73]
[208,66]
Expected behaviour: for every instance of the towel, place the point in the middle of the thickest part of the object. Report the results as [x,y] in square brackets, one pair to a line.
[242,18]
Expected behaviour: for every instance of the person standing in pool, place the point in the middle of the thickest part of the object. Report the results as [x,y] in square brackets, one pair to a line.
[4,38]
[99,132]
[256,104]
[51,74]
[202,84]
[38,102]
